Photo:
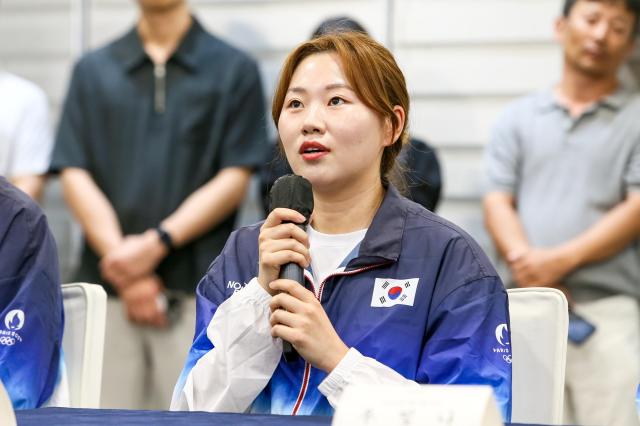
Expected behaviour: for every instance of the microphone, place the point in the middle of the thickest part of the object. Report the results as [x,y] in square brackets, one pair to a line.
[292,192]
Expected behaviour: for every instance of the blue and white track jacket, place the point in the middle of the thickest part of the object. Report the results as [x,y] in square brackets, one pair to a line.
[31,315]
[417,301]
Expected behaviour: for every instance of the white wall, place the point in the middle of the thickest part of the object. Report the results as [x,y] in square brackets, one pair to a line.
[463,59]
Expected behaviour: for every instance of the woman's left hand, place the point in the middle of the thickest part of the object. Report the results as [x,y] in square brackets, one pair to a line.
[298,317]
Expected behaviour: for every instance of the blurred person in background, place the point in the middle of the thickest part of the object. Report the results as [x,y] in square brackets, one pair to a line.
[563,205]
[158,138]
[419,165]
[31,315]
[634,63]
[26,139]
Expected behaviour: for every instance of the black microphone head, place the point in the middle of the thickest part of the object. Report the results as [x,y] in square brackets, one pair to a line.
[292,192]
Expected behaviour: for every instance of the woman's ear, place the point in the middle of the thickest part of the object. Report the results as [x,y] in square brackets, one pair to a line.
[391,135]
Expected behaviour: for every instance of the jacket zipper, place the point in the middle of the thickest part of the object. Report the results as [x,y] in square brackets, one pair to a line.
[307,366]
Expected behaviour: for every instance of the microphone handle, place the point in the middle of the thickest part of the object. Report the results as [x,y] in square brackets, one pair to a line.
[291,271]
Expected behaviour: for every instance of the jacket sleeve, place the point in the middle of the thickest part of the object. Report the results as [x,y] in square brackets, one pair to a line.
[468,340]
[233,355]
[357,369]
[31,316]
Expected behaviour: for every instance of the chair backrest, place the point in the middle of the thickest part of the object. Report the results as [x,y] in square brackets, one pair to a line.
[7,415]
[539,326]
[85,309]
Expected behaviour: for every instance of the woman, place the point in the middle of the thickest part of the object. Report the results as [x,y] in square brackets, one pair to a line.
[394,293]
[420,167]
[31,312]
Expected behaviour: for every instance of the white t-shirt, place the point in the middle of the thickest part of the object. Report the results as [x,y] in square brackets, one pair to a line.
[329,250]
[26,139]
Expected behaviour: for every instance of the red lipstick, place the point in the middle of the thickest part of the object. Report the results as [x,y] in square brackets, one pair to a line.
[312,150]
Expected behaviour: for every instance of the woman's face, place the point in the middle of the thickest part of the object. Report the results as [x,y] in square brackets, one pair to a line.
[329,135]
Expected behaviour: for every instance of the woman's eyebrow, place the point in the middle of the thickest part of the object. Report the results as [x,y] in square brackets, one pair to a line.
[297,89]
[338,86]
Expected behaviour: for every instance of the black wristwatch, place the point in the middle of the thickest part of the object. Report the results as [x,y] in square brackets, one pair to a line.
[165,237]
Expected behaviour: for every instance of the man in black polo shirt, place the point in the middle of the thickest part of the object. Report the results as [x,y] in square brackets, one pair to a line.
[160,132]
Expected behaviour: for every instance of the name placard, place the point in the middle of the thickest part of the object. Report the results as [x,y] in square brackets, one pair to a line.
[432,405]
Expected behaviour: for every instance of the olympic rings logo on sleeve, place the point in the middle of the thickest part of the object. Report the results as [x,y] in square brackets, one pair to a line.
[7,341]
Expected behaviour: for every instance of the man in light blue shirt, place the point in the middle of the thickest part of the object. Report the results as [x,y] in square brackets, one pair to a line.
[563,204]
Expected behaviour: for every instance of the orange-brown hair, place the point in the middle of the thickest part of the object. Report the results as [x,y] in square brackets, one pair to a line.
[371,71]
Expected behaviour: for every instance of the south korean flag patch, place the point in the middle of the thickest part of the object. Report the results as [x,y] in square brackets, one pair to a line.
[388,292]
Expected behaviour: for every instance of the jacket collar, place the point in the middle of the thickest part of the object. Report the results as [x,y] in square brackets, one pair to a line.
[383,241]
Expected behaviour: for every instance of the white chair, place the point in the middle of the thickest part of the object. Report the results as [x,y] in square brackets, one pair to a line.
[539,327]
[85,309]
[7,415]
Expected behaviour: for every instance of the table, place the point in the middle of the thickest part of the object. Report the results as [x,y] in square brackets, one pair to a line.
[81,416]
